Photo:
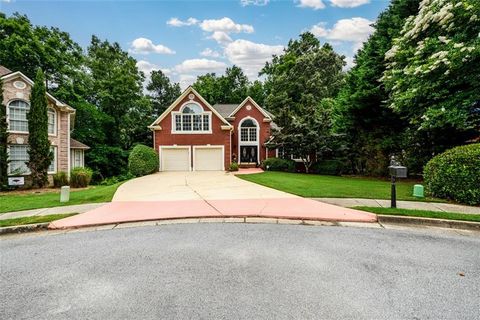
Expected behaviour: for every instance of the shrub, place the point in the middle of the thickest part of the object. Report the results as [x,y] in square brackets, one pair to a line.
[455,174]
[80,177]
[117,179]
[142,160]
[233,166]
[277,164]
[328,167]
[60,179]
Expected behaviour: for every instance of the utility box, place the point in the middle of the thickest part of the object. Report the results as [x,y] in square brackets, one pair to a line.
[398,171]
[65,194]
[418,191]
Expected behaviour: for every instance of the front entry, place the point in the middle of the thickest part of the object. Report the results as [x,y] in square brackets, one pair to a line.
[248,154]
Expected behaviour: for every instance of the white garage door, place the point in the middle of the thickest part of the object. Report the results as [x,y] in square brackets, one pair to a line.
[208,159]
[175,159]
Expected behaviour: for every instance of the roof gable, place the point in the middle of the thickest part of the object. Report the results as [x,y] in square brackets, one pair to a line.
[249,99]
[179,99]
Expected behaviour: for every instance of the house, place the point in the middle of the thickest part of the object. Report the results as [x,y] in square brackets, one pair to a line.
[68,153]
[193,135]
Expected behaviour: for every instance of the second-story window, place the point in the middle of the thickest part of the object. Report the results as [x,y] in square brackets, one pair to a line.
[51,121]
[191,118]
[17,116]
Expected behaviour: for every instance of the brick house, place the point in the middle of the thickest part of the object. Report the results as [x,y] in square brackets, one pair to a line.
[193,135]
[68,153]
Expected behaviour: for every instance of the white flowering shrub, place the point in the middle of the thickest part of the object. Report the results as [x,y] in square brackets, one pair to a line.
[433,68]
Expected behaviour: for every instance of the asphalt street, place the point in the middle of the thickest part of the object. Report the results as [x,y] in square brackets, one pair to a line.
[241,271]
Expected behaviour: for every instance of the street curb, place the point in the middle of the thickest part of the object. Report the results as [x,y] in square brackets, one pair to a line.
[25,228]
[441,223]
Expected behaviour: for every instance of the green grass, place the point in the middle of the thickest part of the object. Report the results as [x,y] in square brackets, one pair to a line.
[32,220]
[317,186]
[422,213]
[94,194]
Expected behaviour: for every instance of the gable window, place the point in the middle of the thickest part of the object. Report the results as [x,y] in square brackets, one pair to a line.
[18,158]
[52,115]
[248,131]
[191,119]
[17,116]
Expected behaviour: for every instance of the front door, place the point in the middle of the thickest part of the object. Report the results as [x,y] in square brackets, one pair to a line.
[248,154]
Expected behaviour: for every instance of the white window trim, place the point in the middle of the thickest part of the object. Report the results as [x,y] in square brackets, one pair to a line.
[248,143]
[55,124]
[210,147]
[160,153]
[8,116]
[174,113]
[55,164]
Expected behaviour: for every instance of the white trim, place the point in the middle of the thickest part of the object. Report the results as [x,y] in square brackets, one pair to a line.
[209,147]
[55,160]
[58,103]
[174,126]
[248,143]
[254,104]
[160,148]
[180,98]
[8,115]
[55,124]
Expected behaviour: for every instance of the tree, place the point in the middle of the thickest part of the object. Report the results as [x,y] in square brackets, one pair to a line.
[303,75]
[257,92]
[3,141]
[372,129]
[433,74]
[161,92]
[39,152]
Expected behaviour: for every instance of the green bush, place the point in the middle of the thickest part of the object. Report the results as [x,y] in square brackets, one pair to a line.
[277,164]
[233,166]
[455,174]
[80,177]
[60,179]
[142,160]
[328,167]
[116,179]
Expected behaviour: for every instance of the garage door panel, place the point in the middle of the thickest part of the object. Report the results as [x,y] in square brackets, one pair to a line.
[175,159]
[208,159]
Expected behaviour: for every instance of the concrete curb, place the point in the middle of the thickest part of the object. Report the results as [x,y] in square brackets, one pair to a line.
[25,228]
[441,223]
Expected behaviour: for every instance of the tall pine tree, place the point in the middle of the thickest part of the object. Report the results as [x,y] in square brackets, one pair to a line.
[3,141]
[39,152]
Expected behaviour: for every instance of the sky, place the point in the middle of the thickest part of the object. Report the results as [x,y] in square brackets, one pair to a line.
[188,38]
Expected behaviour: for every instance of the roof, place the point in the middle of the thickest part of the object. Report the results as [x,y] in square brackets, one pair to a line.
[75,144]
[225,109]
[4,71]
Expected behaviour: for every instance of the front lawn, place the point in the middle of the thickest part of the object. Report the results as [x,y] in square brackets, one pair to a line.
[317,186]
[18,202]
[422,213]
[33,219]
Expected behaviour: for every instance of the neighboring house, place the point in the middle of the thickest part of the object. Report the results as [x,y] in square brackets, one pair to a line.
[68,153]
[193,135]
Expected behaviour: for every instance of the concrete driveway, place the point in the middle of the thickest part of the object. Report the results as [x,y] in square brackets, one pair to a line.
[178,195]
[195,185]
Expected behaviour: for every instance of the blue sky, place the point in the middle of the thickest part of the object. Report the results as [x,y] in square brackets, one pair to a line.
[188,38]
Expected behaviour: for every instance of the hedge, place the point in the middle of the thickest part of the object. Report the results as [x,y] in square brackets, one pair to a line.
[80,177]
[142,160]
[328,167]
[455,174]
[60,179]
[277,164]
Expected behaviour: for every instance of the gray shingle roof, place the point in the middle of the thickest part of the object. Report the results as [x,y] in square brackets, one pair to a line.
[4,71]
[225,109]
[75,144]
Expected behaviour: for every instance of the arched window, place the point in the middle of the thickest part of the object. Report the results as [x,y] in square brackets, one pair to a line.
[17,116]
[52,121]
[248,131]
[191,118]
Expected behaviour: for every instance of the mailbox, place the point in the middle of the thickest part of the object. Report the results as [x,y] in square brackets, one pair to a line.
[398,171]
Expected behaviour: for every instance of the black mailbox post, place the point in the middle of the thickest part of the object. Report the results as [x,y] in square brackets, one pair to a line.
[396,171]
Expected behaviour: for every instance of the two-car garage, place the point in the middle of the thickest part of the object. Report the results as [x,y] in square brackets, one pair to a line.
[197,158]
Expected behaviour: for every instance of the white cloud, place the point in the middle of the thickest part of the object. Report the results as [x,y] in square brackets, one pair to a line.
[314,4]
[175,22]
[210,53]
[221,37]
[146,46]
[226,25]
[250,56]
[354,29]
[348,3]
[254,2]
[200,65]
[350,63]
[319,30]
[186,80]
[6,1]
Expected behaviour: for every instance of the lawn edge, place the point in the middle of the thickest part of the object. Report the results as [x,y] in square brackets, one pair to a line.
[419,221]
